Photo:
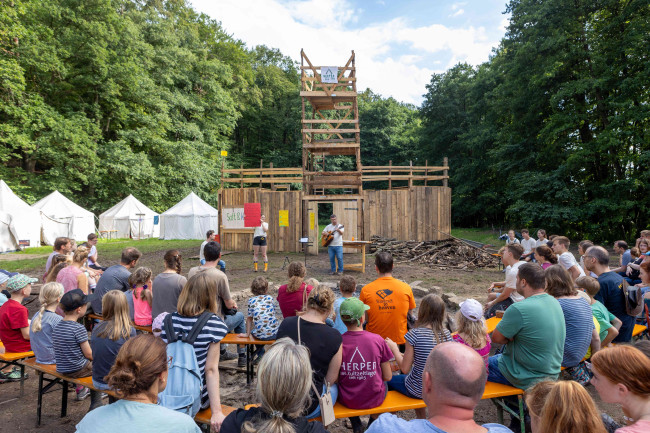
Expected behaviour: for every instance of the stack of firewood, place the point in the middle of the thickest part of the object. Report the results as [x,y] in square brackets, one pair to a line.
[451,253]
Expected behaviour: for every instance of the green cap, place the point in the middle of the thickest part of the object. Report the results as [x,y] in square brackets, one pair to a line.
[19,281]
[354,309]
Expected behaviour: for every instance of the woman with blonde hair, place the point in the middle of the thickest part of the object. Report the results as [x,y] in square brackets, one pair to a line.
[292,296]
[471,329]
[138,376]
[622,376]
[72,276]
[43,322]
[323,342]
[563,406]
[109,335]
[198,296]
[283,386]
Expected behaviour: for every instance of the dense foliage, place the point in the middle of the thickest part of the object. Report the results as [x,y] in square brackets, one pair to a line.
[103,98]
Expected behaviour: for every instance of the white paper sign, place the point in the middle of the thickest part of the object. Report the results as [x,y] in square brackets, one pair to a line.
[233,218]
[329,74]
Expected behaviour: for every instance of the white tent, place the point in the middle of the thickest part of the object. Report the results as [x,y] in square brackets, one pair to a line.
[190,218]
[129,217]
[20,219]
[60,216]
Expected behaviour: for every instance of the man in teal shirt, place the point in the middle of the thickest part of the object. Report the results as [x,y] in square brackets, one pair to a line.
[533,332]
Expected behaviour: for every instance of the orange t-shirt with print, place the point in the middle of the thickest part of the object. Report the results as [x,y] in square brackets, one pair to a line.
[390,301]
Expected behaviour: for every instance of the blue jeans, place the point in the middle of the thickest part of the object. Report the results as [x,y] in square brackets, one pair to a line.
[494,374]
[336,252]
[221,264]
[334,392]
[101,386]
[397,383]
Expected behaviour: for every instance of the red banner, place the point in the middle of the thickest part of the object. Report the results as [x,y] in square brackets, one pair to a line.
[252,214]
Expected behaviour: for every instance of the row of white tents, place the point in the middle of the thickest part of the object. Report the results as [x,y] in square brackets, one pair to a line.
[55,215]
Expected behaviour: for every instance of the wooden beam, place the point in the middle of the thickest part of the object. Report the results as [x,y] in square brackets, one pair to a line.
[330,131]
[323,94]
[330,121]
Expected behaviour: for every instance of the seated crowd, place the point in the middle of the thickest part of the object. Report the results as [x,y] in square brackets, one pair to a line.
[556,313]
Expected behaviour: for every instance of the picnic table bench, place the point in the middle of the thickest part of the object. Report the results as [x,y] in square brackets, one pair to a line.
[13,359]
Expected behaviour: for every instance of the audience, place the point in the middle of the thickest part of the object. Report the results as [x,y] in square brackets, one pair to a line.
[580,330]
[138,376]
[284,381]
[109,335]
[471,329]
[565,258]
[72,276]
[140,282]
[541,238]
[528,244]
[347,286]
[169,285]
[92,254]
[391,301]
[200,295]
[58,262]
[621,248]
[43,323]
[323,342]
[533,332]
[622,376]
[610,294]
[209,237]
[261,322]
[366,363]
[453,384]
[292,297]
[503,294]
[563,406]
[14,319]
[545,256]
[62,246]
[608,323]
[428,333]
[633,270]
[70,341]
[116,277]
[583,246]
[511,239]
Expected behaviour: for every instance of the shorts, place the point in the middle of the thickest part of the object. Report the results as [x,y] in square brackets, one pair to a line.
[259,240]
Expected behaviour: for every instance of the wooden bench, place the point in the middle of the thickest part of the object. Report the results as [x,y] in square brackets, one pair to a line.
[492,323]
[250,343]
[138,327]
[13,359]
[639,330]
[203,417]
[50,370]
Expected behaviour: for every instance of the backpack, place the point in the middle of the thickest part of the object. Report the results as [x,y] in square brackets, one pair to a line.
[184,383]
[633,299]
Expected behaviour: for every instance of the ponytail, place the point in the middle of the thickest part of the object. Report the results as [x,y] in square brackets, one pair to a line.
[140,278]
[173,260]
[50,294]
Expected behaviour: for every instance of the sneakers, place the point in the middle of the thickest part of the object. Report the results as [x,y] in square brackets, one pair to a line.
[81,395]
[227,356]
[241,360]
[12,376]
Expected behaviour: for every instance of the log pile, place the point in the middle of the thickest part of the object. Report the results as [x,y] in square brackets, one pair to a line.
[447,254]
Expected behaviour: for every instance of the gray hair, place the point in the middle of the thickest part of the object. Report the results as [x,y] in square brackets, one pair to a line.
[600,254]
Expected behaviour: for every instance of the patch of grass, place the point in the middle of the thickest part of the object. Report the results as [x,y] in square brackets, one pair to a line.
[484,236]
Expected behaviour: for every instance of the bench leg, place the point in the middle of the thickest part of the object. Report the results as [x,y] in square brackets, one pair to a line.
[521,414]
[249,363]
[39,405]
[22,380]
[64,399]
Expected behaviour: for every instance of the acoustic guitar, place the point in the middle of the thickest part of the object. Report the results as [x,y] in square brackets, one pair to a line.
[328,237]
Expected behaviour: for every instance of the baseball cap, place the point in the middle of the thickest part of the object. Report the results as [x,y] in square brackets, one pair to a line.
[471,309]
[74,299]
[354,309]
[18,282]
[3,278]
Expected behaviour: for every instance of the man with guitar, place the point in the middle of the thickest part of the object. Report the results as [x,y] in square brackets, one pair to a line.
[333,239]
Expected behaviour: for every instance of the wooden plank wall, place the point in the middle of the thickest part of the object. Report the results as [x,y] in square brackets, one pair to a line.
[422,213]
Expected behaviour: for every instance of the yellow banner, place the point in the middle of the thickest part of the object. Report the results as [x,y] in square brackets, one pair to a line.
[312,220]
[284,218]
[224,153]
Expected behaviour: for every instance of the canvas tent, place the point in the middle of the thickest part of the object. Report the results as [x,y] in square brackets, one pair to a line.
[60,216]
[19,221]
[129,217]
[190,218]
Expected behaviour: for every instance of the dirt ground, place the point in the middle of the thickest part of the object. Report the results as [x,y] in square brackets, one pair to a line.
[20,413]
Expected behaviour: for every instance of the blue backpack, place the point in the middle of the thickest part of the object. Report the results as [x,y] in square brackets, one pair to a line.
[184,383]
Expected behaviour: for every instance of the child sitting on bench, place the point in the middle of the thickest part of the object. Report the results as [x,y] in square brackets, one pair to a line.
[366,363]
[472,331]
[347,286]
[140,282]
[14,322]
[71,347]
[261,321]
[43,323]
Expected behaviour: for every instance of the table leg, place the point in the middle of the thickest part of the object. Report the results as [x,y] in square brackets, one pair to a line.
[363,258]
[521,414]
[39,405]
[22,380]
[64,399]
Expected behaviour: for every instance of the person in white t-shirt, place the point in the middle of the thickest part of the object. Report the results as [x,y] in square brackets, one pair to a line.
[511,239]
[541,238]
[529,244]
[335,248]
[565,258]
[503,294]
[209,237]
[260,242]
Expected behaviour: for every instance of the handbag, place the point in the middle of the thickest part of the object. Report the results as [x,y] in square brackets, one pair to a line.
[324,401]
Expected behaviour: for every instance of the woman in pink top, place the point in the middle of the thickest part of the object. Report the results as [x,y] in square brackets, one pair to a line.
[140,281]
[622,376]
[72,276]
[545,256]
[293,296]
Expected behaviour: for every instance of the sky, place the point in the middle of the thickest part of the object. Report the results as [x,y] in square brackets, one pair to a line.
[398,44]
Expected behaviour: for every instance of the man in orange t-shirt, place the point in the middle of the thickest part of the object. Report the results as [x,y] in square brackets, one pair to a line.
[390,301]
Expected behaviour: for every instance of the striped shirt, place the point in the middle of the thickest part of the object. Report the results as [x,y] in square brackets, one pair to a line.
[67,337]
[579,326]
[41,341]
[213,332]
[423,342]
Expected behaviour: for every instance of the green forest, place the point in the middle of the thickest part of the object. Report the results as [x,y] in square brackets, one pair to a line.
[103,98]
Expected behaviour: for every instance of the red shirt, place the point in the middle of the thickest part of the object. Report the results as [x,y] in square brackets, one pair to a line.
[13,316]
[290,303]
